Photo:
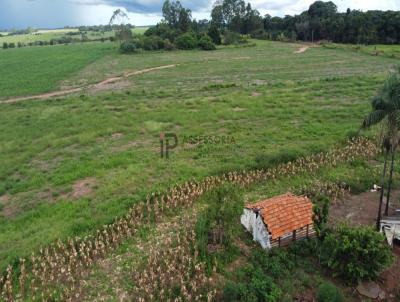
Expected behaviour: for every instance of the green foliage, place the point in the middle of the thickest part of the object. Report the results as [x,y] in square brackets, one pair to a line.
[219,223]
[153,43]
[231,37]
[253,285]
[168,45]
[5,45]
[276,263]
[321,213]
[124,33]
[186,41]
[215,34]
[322,21]
[205,43]
[356,253]
[162,30]
[128,47]
[328,292]
[176,15]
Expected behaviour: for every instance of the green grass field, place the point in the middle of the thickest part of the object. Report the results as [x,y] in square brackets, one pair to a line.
[389,51]
[32,70]
[271,101]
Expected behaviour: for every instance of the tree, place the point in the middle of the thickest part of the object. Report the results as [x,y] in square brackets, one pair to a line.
[123,32]
[176,15]
[217,17]
[355,253]
[252,20]
[215,34]
[386,111]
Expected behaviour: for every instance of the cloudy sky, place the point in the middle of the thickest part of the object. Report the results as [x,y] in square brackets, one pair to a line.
[59,13]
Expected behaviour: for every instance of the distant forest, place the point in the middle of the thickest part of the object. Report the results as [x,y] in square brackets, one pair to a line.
[321,21]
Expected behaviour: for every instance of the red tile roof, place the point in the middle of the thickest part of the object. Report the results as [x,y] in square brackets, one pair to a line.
[285,213]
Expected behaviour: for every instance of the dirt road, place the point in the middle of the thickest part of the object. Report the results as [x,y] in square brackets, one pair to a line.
[101,85]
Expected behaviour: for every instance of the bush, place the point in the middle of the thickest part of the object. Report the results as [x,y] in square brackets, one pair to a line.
[5,45]
[168,45]
[11,45]
[327,292]
[219,223]
[321,213]
[231,37]
[206,43]
[215,35]
[128,47]
[255,286]
[356,253]
[153,43]
[186,41]
[163,30]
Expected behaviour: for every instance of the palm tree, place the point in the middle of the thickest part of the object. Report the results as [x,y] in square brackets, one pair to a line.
[386,111]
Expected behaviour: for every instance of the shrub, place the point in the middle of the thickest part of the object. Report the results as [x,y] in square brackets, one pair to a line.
[5,45]
[215,35]
[128,47]
[206,43]
[328,292]
[11,45]
[277,263]
[186,41]
[254,286]
[163,30]
[219,223]
[168,45]
[355,253]
[231,37]
[321,213]
[153,43]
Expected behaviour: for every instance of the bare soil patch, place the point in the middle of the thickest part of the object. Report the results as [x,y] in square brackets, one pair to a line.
[302,49]
[83,188]
[255,94]
[361,209]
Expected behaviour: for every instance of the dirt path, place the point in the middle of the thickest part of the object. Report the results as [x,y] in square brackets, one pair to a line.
[98,86]
[302,49]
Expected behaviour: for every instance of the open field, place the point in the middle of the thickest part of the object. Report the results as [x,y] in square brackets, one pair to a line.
[49,34]
[31,70]
[389,51]
[73,164]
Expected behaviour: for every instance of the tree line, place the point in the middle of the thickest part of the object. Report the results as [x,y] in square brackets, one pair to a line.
[321,21]
[233,20]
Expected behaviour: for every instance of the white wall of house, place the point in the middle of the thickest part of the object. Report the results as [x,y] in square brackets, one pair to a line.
[255,225]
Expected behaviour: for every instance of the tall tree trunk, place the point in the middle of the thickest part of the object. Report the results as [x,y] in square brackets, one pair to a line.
[378,220]
[389,184]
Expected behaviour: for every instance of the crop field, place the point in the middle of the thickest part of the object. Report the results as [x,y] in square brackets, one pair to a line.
[73,164]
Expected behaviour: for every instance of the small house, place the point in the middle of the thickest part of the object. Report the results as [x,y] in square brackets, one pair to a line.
[279,220]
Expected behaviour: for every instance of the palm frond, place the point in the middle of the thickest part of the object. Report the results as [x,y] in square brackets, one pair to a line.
[375,117]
